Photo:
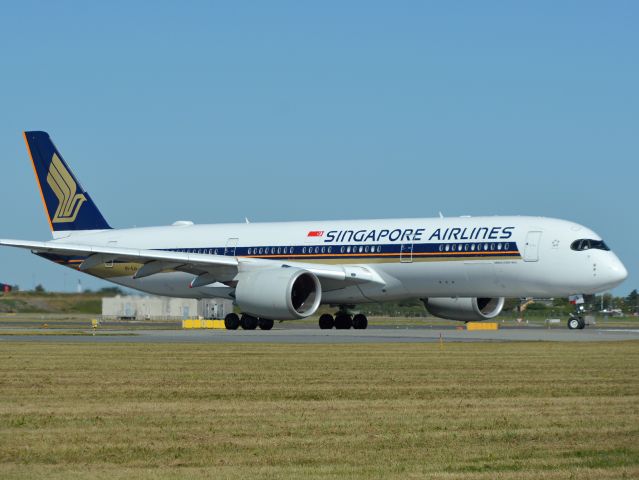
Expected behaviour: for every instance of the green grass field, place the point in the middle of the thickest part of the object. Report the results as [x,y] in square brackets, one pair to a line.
[477,411]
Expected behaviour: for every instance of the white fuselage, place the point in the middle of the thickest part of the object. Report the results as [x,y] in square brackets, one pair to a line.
[422,257]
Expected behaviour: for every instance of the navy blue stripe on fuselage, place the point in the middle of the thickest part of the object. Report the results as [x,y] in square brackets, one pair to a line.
[357,253]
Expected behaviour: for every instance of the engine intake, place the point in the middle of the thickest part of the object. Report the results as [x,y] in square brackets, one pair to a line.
[278,293]
[464,309]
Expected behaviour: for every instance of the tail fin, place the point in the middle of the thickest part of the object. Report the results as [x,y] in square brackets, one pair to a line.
[67,205]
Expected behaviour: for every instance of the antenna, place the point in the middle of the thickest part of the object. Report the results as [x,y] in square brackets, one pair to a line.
[246,220]
[441,215]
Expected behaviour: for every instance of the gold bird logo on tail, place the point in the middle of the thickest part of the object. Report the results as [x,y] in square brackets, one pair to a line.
[64,187]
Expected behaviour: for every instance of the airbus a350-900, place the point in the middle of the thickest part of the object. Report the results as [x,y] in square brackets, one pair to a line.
[462,268]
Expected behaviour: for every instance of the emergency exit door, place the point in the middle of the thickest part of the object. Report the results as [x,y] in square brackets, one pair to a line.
[531,249]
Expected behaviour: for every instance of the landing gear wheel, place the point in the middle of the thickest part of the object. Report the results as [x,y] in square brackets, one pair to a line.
[248,322]
[343,321]
[265,323]
[360,322]
[231,321]
[326,321]
[575,323]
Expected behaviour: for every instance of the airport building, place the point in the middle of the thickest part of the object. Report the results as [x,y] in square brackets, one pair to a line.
[132,307]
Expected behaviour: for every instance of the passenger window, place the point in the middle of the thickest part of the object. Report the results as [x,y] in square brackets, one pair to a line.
[323,249]
[249,251]
[304,250]
[341,249]
[348,249]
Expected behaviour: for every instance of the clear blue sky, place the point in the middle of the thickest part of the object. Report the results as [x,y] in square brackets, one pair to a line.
[212,111]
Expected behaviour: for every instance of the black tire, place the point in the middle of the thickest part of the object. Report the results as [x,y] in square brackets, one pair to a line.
[326,321]
[248,322]
[360,322]
[343,321]
[582,323]
[231,321]
[573,323]
[265,323]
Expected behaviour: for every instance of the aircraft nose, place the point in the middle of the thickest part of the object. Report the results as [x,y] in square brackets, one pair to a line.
[616,270]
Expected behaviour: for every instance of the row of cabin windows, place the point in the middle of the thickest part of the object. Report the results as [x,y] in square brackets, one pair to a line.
[205,251]
[270,251]
[465,247]
[315,250]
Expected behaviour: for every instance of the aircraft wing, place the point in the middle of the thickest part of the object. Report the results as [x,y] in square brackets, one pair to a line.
[208,268]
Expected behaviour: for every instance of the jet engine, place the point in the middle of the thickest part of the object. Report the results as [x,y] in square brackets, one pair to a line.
[464,309]
[285,293]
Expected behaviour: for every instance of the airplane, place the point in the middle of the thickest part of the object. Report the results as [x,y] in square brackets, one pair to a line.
[462,268]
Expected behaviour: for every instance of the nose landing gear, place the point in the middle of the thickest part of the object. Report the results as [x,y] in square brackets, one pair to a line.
[576,320]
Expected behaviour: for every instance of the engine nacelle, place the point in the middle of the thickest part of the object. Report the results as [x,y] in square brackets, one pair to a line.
[278,293]
[464,309]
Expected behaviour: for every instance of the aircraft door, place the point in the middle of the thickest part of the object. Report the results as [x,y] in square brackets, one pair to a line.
[531,249]
[231,245]
[406,253]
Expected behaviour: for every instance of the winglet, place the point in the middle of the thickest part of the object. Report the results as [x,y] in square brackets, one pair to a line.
[67,205]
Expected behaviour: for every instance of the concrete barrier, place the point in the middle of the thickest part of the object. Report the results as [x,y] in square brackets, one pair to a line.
[470,326]
[191,323]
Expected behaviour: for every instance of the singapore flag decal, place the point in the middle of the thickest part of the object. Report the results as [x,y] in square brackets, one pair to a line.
[316,233]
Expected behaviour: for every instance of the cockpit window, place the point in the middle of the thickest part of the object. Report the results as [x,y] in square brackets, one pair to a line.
[587,244]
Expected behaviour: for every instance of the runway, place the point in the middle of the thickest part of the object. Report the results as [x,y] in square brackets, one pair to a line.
[302,335]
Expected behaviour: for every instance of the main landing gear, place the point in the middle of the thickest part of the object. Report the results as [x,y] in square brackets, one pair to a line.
[343,321]
[232,322]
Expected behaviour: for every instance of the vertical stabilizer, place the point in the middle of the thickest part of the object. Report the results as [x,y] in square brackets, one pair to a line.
[67,205]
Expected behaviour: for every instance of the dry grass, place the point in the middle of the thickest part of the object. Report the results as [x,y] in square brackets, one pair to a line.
[479,411]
